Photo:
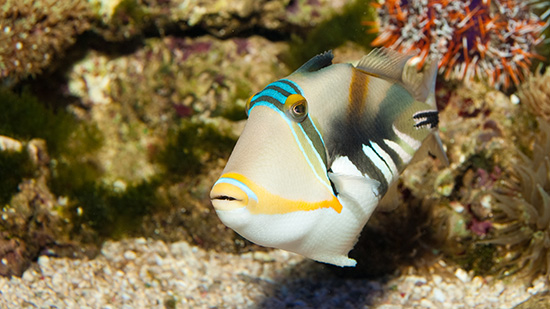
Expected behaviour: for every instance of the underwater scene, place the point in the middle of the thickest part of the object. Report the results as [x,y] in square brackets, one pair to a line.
[274,154]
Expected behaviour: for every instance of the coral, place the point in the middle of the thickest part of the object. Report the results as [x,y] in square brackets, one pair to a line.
[479,127]
[490,40]
[521,212]
[35,32]
[535,94]
[38,146]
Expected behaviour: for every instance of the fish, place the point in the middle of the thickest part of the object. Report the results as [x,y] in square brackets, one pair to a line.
[321,148]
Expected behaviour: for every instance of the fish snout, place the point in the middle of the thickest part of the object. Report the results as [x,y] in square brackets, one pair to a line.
[227,196]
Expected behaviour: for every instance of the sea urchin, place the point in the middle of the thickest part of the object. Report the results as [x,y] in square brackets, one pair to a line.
[487,39]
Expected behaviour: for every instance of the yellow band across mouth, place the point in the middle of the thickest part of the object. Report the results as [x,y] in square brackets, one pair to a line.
[233,191]
[226,196]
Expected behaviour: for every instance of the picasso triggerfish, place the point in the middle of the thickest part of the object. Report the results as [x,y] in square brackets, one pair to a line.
[321,148]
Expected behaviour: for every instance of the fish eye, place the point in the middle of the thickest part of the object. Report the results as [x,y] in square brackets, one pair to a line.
[296,107]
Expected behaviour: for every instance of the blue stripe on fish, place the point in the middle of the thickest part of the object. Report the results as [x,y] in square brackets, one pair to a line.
[274,96]
[289,123]
[278,91]
[238,184]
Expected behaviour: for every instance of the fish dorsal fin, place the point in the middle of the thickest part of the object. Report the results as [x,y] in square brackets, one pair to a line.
[387,63]
[384,63]
[316,63]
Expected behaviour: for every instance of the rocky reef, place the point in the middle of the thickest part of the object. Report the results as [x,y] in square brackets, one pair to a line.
[119,115]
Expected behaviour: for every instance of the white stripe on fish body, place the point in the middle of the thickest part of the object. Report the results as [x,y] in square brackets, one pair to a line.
[378,162]
[412,142]
[308,182]
[394,173]
[403,154]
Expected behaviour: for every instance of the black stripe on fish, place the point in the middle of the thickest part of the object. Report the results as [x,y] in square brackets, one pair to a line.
[291,85]
[347,140]
[349,134]
[278,89]
[428,118]
[315,137]
[379,156]
[266,98]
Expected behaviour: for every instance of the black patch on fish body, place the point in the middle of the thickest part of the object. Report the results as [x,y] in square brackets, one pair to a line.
[427,118]
[350,132]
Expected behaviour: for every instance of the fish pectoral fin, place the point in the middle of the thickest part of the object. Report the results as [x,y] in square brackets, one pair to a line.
[360,191]
[431,145]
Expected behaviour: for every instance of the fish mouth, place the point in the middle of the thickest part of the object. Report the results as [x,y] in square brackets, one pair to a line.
[226,196]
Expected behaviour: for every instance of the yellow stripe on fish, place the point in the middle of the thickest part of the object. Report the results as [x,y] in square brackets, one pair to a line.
[256,198]
[321,148]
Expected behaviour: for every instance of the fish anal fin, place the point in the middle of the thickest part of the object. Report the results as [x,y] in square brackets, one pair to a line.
[431,145]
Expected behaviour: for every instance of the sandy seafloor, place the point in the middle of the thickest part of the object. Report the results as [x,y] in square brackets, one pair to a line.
[141,273]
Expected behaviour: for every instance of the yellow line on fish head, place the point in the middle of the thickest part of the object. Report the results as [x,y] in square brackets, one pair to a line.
[273,170]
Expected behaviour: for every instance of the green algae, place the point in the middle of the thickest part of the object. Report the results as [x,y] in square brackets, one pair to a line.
[191,146]
[112,213]
[332,33]
[14,166]
[130,16]
[480,259]
[236,112]
[23,117]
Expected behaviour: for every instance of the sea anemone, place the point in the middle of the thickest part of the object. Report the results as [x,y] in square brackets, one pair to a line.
[522,210]
[535,94]
[490,40]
